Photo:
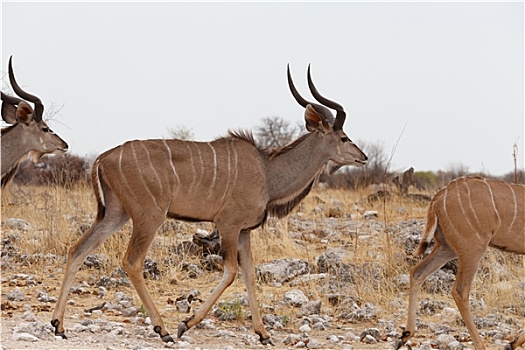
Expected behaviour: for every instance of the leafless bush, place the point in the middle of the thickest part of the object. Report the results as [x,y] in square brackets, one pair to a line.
[515,176]
[64,169]
[275,132]
[181,132]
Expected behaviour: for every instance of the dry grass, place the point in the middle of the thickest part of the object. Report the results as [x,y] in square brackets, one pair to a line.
[58,216]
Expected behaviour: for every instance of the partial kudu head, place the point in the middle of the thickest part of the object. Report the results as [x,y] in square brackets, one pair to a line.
[28,133]
[319,118]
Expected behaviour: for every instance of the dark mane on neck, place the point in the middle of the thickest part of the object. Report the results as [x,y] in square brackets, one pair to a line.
[244,135]
[9,176]
[282,209]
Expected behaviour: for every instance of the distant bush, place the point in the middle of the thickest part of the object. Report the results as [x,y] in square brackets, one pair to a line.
[424,179]
[275,132]
[63,169]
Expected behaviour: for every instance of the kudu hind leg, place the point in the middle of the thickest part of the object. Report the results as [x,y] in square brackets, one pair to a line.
[78,252]
[440,255]
[133,262]
[229,241]
[461,294]
[248,274]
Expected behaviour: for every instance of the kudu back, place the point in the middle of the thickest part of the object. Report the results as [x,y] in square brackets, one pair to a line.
[28,136]
[230,181]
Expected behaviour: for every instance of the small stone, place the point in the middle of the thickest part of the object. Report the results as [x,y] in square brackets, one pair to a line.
[96,312]
[334,339]
[455,345]
[295,297]
[183,306]
[370,214]
[24,337]
[311,308]
[445,339]
[315,344]
[16,295]
[305,328]
[29,316]
[368,339]
[292,339]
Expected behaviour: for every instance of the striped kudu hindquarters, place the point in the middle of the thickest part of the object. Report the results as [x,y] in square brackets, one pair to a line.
[28,135]
[464,218]
[229,181]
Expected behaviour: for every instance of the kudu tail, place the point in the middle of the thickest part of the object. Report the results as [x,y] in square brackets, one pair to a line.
[430,229]
[97,189]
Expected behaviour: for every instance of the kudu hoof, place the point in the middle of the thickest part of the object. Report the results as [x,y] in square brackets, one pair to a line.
[399,344]
[183,327]
[55,324]
[267,341]
[508,347]
[166,337]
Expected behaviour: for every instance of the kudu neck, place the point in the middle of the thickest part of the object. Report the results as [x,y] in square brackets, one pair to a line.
[13,147]
[296,167]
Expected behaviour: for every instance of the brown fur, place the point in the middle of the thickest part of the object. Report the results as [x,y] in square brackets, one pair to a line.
[230,181]
[464,219]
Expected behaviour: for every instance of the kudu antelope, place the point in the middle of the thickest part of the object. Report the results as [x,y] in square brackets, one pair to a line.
[28,136]
[464,219]
[230,182]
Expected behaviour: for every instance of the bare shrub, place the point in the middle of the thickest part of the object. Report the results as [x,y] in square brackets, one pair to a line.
[275,132]
[181,132]
[64,169]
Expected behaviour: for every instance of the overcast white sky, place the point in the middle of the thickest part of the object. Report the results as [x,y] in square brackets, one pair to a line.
[451,72]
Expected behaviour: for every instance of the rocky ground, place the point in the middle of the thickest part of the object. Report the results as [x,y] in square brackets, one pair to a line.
[327,301]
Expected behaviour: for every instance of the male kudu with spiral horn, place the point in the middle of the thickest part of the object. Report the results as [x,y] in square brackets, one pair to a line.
[230,181]
[28,136]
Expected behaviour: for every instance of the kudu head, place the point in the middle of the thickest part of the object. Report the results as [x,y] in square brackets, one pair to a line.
[342,151]
[36,136]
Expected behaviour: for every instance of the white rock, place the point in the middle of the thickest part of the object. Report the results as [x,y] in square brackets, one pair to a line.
[305,328]
[24,337]
[445,339]
[368,339]
[295,297]
[371,214]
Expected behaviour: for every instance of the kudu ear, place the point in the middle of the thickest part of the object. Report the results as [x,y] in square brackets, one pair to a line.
[24,113]
[9,112]
[315,121]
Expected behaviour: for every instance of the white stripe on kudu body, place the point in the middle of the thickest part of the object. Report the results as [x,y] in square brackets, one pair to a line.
[498,209]
[170,158]
[214,167]
[230,181]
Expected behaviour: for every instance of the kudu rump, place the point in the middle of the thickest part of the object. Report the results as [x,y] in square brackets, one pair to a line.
[28,136]
[230,181]
[465,218]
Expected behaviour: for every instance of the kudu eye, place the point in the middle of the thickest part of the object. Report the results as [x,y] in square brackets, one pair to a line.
[345,139]
[46,129]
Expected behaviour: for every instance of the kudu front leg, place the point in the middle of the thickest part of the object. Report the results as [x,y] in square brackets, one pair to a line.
[229,241]
[248,274]
[133,262]
[467,267]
